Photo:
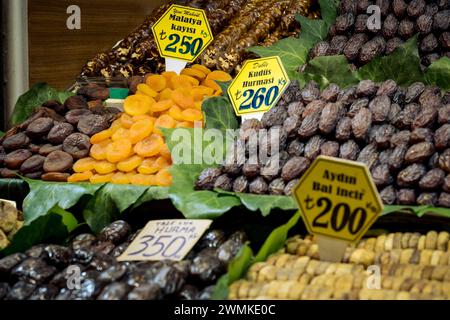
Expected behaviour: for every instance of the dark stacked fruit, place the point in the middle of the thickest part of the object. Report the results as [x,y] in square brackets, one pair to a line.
[402,135]
[353,35]
[46,145]
[47,272]
[137,54]
[258,22]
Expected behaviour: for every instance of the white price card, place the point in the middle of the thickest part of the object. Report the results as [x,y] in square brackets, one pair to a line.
[166,240]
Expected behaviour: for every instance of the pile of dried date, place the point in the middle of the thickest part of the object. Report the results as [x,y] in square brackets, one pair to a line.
[46,145]
[46,272]
[403,135]
[400,20]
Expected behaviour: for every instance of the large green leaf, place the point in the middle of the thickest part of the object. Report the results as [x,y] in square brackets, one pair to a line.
[329,69]
[111,200]
[54,227]
[236,270]
[439,73]
[294,51]
[44,196]
[403,66]
[219,114]
[35,97]
[240,265]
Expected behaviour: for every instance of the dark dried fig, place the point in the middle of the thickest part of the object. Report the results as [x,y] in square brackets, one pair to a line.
[77,145]
[58,161]
[17,141]
[16,158]
[45,150]
[55,176]
[33,164]
[92,124]
[40,128]
[74,116]
[76,102]
[60,132]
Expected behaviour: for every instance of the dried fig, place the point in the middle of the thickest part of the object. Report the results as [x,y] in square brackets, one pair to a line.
[77,145]
[60,132]
[58,161]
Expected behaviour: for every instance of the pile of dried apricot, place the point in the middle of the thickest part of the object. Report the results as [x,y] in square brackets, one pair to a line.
[133,150]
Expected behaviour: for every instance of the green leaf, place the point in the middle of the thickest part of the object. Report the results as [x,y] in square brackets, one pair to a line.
[219,114]
[263,203]
[53,227]
[328,10]
[277,239]
[239,266]
[44,196]
[236,270]
[439,73]
[403,66]
[35,97]
[329,69]
[111,200]
[419,211]
[294,51]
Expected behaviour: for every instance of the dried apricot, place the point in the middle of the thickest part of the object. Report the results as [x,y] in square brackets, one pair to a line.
[156,82]
[162,105]
[192,80]
[130,164]
[116,125]
[165,152]
[98,151]
[165,121]
[176,113]
[145,89]
[121,133]
[101,136]
[164,178]
[80,177]
[138,104]
[166,94]
[220,76]
[202,68]
[148,166]
[83,165]
[185,125]
[183,98]
[211,84]
[194,73]
[180,82]
[119,150]
[192,115]
[143,180]
[198,105]
[140,130]
[201,92]
[163,163]
[99,178]
[126,121]
[144,117]
[120,178]
[104,167]
[168,74]
[150,146]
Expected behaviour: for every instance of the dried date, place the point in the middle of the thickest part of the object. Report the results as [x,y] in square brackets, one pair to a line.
[442,137]
[422,135]
[406,197]
[207,178]
[361,123]
[258,186]
[349,150]
[240,185]
[433,180]
[344,129]
[329,117]
[294,168]
[330,149]
[419,152]
[312,148]
[389,195]
[411,175]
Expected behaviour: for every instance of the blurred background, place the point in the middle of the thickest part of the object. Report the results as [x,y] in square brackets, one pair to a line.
[37,46]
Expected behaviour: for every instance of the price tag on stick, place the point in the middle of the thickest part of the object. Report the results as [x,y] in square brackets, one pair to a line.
[339,202]
[166,240]
[182,34]
[258,87]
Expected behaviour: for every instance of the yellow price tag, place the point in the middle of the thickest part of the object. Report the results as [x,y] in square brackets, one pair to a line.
[258,86]
[182,33]
[338,199]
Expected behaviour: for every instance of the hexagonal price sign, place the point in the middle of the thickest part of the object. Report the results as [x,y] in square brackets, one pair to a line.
[182,33]
[258,86]
[338,199]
